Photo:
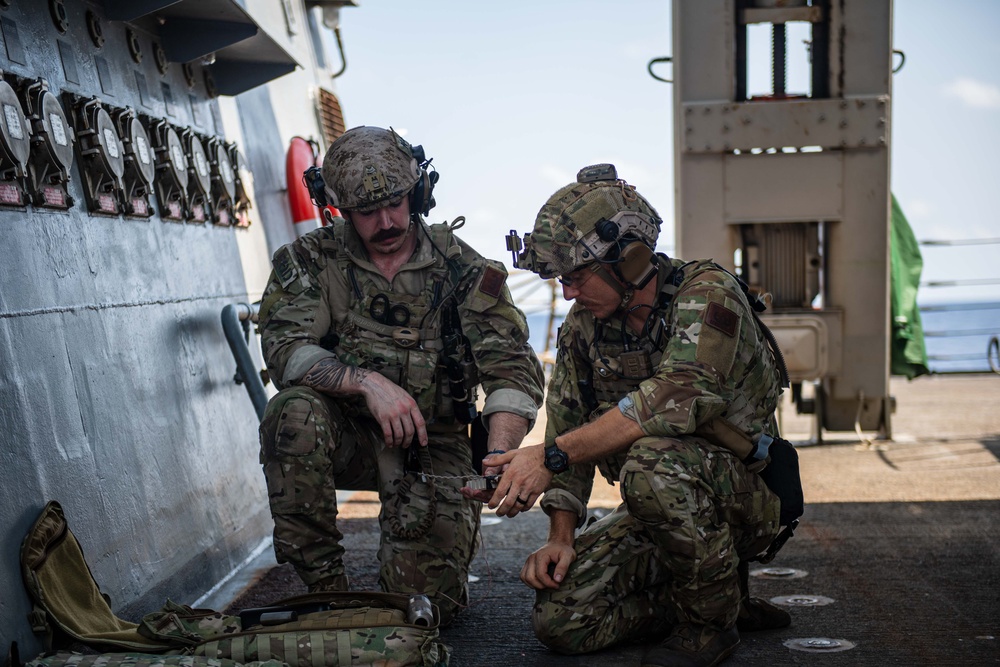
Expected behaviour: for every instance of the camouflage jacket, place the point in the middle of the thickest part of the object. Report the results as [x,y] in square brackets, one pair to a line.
[707,358]
[326,299]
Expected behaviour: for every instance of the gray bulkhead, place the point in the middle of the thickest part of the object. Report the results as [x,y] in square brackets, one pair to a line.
[116,382]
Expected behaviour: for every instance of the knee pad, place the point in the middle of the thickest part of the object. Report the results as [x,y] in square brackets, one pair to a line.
[651,497]
[296,423]
[660,480]
[294,452]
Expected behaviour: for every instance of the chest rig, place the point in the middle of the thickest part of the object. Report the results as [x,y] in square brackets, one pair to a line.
[621,360]
[399,333]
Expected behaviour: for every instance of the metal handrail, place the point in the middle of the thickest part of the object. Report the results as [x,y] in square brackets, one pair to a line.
[961,332]
[236,319]
[947,242]
[962,306]
[945,307]
[961,283]
[951,333]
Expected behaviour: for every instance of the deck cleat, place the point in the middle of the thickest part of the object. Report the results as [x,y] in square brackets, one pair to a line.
[778,573]
[802,600]
[819,645]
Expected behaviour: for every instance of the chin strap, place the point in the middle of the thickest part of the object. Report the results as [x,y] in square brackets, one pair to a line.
[626,293]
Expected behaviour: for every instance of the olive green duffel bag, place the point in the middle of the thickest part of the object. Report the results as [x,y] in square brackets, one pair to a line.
[313,630]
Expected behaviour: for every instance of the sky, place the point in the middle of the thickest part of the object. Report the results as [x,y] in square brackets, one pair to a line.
[512,98]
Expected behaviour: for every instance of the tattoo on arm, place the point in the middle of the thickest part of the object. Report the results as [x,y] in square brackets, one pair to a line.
[333,377]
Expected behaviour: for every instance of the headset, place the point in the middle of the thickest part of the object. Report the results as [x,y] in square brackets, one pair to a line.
[422,193]
[421,198]
[636,266]
[312,178]
[629,256]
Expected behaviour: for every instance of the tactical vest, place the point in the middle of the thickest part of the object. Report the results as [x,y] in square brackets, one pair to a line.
[611,379]
[613,376]
[620,361]
[410,354]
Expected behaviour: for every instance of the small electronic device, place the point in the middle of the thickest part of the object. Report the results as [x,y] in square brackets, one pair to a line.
[487,483]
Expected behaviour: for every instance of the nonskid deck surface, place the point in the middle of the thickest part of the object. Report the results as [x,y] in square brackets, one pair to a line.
[897,561]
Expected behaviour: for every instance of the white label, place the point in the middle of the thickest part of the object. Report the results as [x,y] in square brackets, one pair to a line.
[227,171]
[58,131]
[142,148]
[178,157]
[199,160]
[13,121]
[112,143]
[9,194]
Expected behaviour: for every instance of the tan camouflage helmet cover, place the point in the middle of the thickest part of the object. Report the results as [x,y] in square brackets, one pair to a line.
[566,235]
[369,167]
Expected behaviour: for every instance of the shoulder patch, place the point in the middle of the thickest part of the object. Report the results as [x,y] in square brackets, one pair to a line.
[719,317]
[492,281]
[285,267]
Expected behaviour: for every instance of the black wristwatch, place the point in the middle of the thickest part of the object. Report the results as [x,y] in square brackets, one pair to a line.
[556,459]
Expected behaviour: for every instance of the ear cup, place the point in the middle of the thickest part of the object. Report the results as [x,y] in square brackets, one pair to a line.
[421,196]
[635,264]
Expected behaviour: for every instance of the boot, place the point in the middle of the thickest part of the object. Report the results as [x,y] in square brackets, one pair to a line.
[693,645]
[755,613]
[334,584]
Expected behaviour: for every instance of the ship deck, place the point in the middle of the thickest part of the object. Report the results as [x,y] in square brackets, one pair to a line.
[897,560]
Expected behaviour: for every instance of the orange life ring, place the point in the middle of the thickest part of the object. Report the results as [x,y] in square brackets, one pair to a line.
[302,154]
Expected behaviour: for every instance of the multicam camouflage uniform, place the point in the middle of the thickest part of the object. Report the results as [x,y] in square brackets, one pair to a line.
[319,304]
[691,509]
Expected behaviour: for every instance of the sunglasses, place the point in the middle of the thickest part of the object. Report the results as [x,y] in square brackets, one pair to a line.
[578,276]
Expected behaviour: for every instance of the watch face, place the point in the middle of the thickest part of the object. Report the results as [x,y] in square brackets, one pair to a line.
[556,460]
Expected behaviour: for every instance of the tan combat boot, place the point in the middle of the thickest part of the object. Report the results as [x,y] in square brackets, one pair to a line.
[693,645]
[334,584]
[755,613]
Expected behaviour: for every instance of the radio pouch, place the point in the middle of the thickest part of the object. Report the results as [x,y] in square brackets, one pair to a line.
[782,477]
[779,471]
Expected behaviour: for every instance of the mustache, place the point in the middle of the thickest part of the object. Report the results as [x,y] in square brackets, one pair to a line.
[387,234]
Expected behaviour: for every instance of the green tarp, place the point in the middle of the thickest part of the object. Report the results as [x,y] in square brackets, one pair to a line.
[908,355]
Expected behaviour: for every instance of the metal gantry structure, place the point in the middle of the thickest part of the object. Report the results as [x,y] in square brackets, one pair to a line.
[790,188]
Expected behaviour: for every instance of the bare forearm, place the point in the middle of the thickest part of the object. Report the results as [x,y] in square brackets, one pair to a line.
[562,527]
[612,432]
[507,430]
[395,410]
[335,378]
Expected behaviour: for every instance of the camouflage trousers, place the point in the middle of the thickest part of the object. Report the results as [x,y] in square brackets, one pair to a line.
[668,554]
[312,445]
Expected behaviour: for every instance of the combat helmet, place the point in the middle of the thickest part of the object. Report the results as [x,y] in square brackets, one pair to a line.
[600,218]
[370,167]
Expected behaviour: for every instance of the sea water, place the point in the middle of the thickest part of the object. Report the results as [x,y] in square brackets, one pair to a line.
[957,335]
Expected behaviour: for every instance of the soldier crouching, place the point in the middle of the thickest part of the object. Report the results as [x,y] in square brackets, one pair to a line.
[661,365]
[363,324]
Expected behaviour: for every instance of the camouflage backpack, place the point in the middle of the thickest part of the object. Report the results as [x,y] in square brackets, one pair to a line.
[314,630]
